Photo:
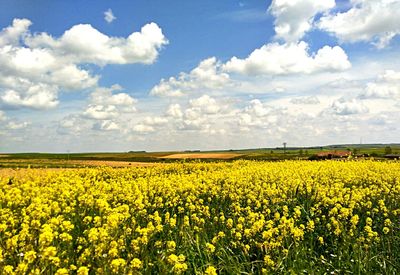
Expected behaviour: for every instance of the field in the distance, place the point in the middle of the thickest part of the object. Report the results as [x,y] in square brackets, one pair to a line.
[202,156]
[137,158]
[240,217]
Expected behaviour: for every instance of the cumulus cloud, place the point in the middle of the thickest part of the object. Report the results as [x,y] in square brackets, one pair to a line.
[348,107]
[386,86]
[311,100]
[257,108]
[13,125]
[12,34]
[72,124]
[198,114]
[390,76]
[101,112]
[105,96]
[106,125]
[40,96]
[2,116]
[155,121]
[274,121]
[206,104]
[84,44]
[281,59]
[212,75]
[105,104]
[369,21]
[175,111]
[272,117]
[207,75]
[142,128]
[35,67]
[7,123]
[149,124]
[109,16]
[293,18]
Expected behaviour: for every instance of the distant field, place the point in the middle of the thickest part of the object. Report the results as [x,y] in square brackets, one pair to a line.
[140,158]
[202,156]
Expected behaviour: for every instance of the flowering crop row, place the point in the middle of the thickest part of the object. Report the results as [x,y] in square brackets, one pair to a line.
[203,218]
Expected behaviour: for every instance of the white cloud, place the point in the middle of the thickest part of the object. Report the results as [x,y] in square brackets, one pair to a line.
[105,96]
[155,121]
[148,124]
[274,121]
[305,100]
[175,111]
[381,90]
[73,125]
[390,75]
[293,18]
[280,59]
[374,21]
[198,124]
[348,107]
[200,115]
[12,125]
[40,96]
[258,114]
[7,123]
[387,85]
[142,128]
[193,114]
[12,34]
[257,108]
[106,125]
[206,104]
[207,75]
[212,76]
[271,117]
[70,77]
[109,16]
[110,109]
[35,67]
[68,122]
[84,44]
[101,112]
[2,116]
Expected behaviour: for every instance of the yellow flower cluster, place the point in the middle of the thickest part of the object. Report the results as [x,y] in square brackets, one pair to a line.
[207,218]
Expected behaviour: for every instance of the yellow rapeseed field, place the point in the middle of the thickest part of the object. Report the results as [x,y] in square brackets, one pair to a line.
[245,217]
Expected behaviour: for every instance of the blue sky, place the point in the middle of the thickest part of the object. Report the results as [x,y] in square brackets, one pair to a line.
[197,75]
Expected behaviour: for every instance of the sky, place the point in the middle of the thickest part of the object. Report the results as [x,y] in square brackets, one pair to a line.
[154,75]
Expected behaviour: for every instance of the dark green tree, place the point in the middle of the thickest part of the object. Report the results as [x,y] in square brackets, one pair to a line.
[388,150]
